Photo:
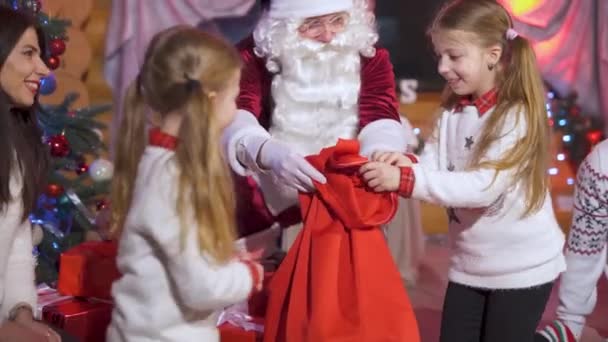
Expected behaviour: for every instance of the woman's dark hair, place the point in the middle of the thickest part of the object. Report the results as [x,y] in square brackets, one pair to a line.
[265,4]
[21,146]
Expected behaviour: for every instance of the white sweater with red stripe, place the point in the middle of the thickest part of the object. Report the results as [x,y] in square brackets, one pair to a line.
[168,292]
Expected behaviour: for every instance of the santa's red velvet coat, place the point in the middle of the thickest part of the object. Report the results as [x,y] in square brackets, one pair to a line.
[377,100]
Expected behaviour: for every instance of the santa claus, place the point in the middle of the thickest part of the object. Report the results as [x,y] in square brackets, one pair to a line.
[312,75]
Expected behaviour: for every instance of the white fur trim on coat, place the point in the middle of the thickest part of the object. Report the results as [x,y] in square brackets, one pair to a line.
[382,135]
[242,141]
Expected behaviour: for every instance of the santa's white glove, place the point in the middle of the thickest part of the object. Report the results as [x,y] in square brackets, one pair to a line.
[289,167]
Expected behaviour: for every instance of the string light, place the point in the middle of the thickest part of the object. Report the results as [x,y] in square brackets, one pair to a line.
[567,138]
[561,157]
[553,171]
[416,131]
[570,181]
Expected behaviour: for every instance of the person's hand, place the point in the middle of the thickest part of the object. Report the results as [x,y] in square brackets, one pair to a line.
[380,176]
[257,273]
[252,259]
[289,167]
[14,332]
[392,158]
[251,256]
[260,280]
[25,320]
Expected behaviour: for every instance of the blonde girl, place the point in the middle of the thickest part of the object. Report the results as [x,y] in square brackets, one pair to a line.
[172,197]
[487,164]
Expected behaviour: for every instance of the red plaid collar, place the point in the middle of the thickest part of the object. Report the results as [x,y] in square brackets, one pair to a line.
[161,139]
[483,103]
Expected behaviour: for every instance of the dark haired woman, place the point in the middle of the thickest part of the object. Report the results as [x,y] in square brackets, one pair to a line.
[23,168]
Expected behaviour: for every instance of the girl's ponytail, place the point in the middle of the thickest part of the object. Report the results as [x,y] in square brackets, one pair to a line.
[130,146]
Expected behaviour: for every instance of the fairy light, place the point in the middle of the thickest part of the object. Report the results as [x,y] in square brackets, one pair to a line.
[561,157]
[553,171]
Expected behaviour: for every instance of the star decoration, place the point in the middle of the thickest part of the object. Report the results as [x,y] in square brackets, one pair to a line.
[468,142]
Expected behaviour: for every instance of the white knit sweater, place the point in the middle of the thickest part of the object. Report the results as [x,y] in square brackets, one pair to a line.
[492,245]
[166,292]
[17,282]
[587,241]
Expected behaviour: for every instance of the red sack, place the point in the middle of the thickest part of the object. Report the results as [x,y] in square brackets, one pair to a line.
[88,270]
[338,281]
[84,319]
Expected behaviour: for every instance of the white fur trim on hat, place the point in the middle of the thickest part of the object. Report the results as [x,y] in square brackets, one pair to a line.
[282,9]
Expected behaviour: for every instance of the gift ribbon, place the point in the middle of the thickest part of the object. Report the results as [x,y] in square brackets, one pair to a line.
[237,315]
[47,296]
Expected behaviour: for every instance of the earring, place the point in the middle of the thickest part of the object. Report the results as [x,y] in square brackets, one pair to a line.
[491,66]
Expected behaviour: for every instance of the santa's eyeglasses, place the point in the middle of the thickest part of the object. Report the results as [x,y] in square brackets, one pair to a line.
[334,23]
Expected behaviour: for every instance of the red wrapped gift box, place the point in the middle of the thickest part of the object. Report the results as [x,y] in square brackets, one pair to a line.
[87,320]
[88,270]
[232,333]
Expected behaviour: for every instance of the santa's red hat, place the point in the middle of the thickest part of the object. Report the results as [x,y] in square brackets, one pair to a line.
[282,9]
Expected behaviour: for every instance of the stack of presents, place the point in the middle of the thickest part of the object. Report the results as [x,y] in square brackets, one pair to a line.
[82,303]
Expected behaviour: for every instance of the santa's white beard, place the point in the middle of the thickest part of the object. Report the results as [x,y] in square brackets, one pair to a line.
[316,95]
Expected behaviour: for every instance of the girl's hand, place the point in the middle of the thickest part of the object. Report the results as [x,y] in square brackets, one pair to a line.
[251,256]
[392,158]
[252,260]
[381,176]
[257,273]
[259,285]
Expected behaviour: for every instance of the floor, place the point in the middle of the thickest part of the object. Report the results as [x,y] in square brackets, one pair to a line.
[427,296]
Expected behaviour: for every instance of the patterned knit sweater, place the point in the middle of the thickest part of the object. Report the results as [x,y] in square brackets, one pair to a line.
[587,241]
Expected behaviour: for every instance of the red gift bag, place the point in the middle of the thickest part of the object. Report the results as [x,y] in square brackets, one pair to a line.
[338,281]
[88,270]
[84,319]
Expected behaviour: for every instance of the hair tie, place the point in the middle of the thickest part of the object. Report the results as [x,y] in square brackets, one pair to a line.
[511,34]
[138,85]
[192,84]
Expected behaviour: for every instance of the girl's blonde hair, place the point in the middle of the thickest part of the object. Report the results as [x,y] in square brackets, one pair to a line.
[182,66]
[519,86]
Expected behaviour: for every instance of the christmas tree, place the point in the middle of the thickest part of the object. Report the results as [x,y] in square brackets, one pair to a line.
[579,131]
[78,181]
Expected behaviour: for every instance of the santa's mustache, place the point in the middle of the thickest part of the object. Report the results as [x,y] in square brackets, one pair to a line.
[311,47]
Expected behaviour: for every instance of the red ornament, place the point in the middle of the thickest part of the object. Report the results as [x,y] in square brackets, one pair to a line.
[54,190]
[57,47]
[82,168]
[575,111]
[59,146]
[594,137]
[53,62]
[102,204]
